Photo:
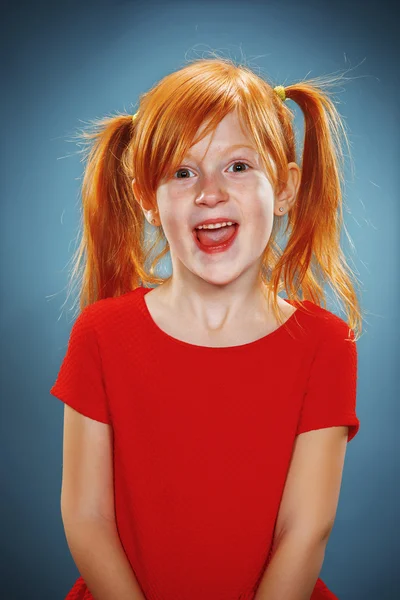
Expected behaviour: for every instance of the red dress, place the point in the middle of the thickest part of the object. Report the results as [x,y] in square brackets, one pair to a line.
[203,437]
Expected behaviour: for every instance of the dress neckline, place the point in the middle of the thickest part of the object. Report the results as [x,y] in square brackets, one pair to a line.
[280,331]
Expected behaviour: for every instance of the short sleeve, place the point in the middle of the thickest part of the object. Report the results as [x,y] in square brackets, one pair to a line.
[80,381]
[330,397]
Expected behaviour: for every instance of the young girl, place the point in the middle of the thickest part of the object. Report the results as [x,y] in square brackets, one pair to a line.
[206,419]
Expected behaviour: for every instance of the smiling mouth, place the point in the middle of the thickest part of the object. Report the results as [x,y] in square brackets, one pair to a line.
[215,242]
[216,236]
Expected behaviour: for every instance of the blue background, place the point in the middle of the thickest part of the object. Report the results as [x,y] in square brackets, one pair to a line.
[68,63]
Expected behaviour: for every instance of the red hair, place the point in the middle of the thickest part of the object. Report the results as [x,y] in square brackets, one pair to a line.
[152,146]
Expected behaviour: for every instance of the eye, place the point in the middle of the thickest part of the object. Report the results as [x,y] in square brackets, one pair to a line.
[240,163]
[184,170]
[235,163]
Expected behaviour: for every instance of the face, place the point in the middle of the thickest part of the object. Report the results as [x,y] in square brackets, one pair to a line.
[215,180]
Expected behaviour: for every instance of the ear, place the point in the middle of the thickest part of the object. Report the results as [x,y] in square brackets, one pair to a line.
[287,197]
[148,212]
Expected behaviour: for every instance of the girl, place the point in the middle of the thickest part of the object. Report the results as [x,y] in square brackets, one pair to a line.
[207,419]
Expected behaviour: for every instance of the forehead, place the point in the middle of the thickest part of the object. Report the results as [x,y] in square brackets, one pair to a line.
[222,149]
[229,135]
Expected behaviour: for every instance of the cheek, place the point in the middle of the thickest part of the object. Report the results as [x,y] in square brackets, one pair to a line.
[175,226]
[260,212]
[262,229]
[261,198]
[260,217]
[168,212]
[175,215]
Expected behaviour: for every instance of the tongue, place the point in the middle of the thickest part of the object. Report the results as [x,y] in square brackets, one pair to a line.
[214,237]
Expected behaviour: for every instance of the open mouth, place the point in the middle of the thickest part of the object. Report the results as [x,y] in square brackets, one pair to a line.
[216,239]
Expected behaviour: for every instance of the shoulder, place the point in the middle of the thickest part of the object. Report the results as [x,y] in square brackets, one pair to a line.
[326,324]
[103,315]
[333,333]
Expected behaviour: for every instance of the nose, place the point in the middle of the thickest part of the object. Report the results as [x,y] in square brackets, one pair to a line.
[211,192]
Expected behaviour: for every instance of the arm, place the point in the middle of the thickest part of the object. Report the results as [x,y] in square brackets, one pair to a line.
[87,507]
[306,515]
[293,569]
[100,558]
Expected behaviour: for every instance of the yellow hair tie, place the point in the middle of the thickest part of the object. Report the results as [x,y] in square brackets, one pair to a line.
[280,90]
[134,116]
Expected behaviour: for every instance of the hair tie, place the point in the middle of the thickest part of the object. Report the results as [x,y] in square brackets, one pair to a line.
[134,116]
[280,90]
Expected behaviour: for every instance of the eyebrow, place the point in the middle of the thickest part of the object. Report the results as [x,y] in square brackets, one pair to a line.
[234,146]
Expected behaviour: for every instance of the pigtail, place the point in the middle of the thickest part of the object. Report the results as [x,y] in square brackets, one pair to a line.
[110,256]
[313,255]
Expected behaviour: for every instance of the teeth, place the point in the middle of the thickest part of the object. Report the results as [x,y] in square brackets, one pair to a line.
[215,225]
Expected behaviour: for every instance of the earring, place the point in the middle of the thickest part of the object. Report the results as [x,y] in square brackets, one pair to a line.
[281,209]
